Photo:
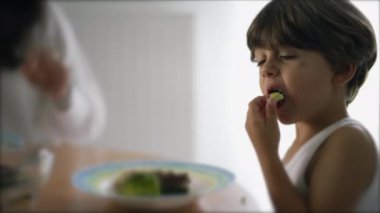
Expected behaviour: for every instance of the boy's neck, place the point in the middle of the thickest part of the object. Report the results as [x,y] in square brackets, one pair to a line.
[307,129]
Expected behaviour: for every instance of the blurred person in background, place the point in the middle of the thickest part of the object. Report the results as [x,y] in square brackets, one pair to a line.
[48,93]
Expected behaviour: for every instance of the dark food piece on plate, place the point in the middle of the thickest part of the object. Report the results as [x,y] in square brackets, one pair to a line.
[173,183]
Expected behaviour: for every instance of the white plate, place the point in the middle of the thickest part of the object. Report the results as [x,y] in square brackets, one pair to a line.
[98,180]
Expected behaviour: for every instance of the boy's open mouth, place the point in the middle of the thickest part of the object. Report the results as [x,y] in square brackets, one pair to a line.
[278,95]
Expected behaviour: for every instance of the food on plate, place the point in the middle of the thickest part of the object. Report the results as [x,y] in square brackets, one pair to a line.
[138,183]
[152,183]
[277,95]
[173,183]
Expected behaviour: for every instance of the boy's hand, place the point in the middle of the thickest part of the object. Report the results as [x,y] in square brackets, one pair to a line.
[45,70]
[262,125]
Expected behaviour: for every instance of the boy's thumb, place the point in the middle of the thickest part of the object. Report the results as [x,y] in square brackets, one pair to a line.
[272,110]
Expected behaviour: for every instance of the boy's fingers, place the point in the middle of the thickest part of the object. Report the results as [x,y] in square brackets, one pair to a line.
[257,106]
[271,109]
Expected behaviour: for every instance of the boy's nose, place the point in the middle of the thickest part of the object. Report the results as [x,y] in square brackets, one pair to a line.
[269,70]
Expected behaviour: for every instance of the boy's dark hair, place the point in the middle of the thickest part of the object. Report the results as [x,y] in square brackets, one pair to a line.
[334,28]
[16,21]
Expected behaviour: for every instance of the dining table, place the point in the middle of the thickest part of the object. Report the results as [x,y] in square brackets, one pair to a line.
[59,193]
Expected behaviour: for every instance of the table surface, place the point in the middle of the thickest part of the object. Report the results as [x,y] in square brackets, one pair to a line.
[59,193]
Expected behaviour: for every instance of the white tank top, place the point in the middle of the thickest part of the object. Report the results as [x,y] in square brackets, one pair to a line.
[297,166]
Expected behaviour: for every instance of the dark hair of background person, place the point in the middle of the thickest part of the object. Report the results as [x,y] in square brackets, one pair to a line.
[17,19]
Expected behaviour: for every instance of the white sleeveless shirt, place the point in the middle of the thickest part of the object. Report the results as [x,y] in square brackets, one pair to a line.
[296,167]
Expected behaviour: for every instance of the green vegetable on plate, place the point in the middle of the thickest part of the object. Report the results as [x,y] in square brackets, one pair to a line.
[140,184]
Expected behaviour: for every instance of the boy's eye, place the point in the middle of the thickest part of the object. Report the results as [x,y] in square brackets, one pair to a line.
[287,57]
[259,63]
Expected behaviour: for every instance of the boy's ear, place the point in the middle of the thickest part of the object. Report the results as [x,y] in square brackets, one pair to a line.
[345,75]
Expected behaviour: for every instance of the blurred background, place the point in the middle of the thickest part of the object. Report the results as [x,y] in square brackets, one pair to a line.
[177,79]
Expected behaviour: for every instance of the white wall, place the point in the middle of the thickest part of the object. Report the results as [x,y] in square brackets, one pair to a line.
[143,60]
[192,55]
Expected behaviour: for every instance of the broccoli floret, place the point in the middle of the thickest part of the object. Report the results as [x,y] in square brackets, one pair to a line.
[277,96]
[139,184]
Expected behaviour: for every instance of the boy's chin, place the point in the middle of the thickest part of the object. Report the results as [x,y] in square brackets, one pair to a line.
[285,121]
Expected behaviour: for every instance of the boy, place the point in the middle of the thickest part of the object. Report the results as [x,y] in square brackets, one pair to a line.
[313,57]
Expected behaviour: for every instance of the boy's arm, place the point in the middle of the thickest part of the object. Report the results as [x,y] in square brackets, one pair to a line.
[262,128]
[284,195]
[342,170]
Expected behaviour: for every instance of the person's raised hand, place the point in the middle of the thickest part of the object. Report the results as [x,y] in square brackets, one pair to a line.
[46,71]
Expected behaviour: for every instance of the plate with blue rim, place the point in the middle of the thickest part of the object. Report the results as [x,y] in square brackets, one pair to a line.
[98,180]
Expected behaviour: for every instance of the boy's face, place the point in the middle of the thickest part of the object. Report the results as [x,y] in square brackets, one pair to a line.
[304,77]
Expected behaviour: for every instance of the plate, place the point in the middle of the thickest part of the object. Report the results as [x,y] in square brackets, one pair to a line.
[98,180]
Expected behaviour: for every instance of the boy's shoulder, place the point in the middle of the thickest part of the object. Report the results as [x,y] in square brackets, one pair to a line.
[351,136]
[344,165]
[350,141]
[348,149]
